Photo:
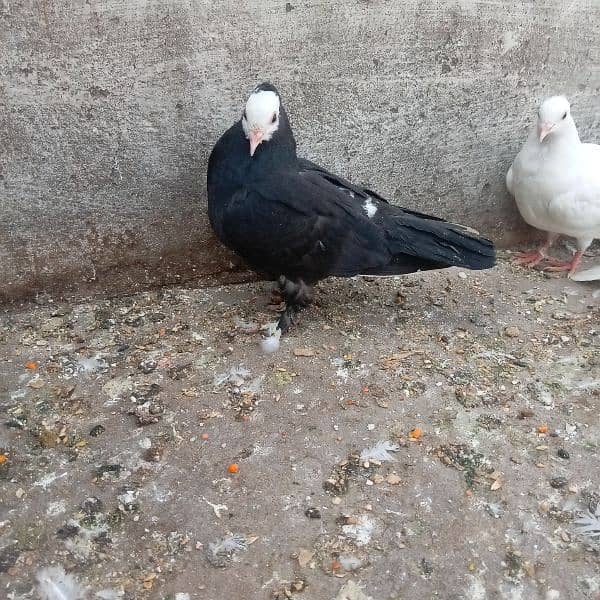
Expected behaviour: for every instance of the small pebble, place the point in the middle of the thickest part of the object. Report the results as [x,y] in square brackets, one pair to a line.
[313,513]
[558,482]
[512,331]
[562,453]
[147,366]
[336,500]
[97,430]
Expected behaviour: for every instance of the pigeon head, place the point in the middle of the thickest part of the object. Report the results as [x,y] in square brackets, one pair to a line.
[554,116]
[261,117]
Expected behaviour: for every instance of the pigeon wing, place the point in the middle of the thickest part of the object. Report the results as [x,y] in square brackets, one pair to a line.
[304,227]
[358,193]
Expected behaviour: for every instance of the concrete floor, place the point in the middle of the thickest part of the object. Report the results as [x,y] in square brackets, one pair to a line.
[122,420]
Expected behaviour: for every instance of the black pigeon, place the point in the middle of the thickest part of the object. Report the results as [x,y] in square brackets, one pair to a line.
[295,222]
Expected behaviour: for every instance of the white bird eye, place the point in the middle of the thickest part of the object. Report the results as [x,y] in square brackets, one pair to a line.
[565,115]
[274,118]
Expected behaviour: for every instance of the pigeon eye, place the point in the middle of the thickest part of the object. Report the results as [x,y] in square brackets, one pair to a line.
[565,116]
[274,118]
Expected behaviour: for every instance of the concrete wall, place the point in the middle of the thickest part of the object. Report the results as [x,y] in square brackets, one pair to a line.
[109,109]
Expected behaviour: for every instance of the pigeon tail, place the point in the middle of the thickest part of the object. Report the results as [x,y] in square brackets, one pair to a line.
[439,244]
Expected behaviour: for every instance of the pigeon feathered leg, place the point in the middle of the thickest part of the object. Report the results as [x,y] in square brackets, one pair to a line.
[297,295]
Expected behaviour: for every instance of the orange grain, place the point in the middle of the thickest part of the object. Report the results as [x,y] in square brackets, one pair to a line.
[416,433]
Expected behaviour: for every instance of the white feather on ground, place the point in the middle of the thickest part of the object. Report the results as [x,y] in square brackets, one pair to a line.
[361,531]
[272,342]
[221,552]
[350,562]
[380,451]
[228,544]
[53,583]
[592,274]
[588,526]
[89,366]
[236,376]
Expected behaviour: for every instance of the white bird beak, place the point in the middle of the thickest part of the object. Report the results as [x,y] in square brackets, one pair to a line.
[544,128]
[256,136]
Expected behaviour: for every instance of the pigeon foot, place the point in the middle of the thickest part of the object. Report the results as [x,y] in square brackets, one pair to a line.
[529,259]
[288,318]
[570,266]
[296,295]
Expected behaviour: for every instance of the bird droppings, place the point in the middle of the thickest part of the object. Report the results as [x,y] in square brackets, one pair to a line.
[562,453]
[134,511]
[473,464]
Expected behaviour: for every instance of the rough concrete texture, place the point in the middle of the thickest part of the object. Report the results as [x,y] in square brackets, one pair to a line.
[108,112]
[149,448]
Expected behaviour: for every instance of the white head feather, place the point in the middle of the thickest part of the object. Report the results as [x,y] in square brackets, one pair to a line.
[554,117]
[261,117]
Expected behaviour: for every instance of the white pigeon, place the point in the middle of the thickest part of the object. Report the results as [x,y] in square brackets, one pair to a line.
[555,180]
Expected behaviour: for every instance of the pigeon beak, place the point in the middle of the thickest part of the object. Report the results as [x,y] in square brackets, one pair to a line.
[256,136]
[544,128]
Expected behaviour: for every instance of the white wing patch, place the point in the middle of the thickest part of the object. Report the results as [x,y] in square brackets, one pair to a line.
[369,208]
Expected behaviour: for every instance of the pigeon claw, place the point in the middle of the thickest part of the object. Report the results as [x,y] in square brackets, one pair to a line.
[529,259]
[570,266]
[294,295]
[288,318]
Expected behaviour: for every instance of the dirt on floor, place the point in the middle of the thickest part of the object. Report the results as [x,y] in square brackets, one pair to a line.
[430,436]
